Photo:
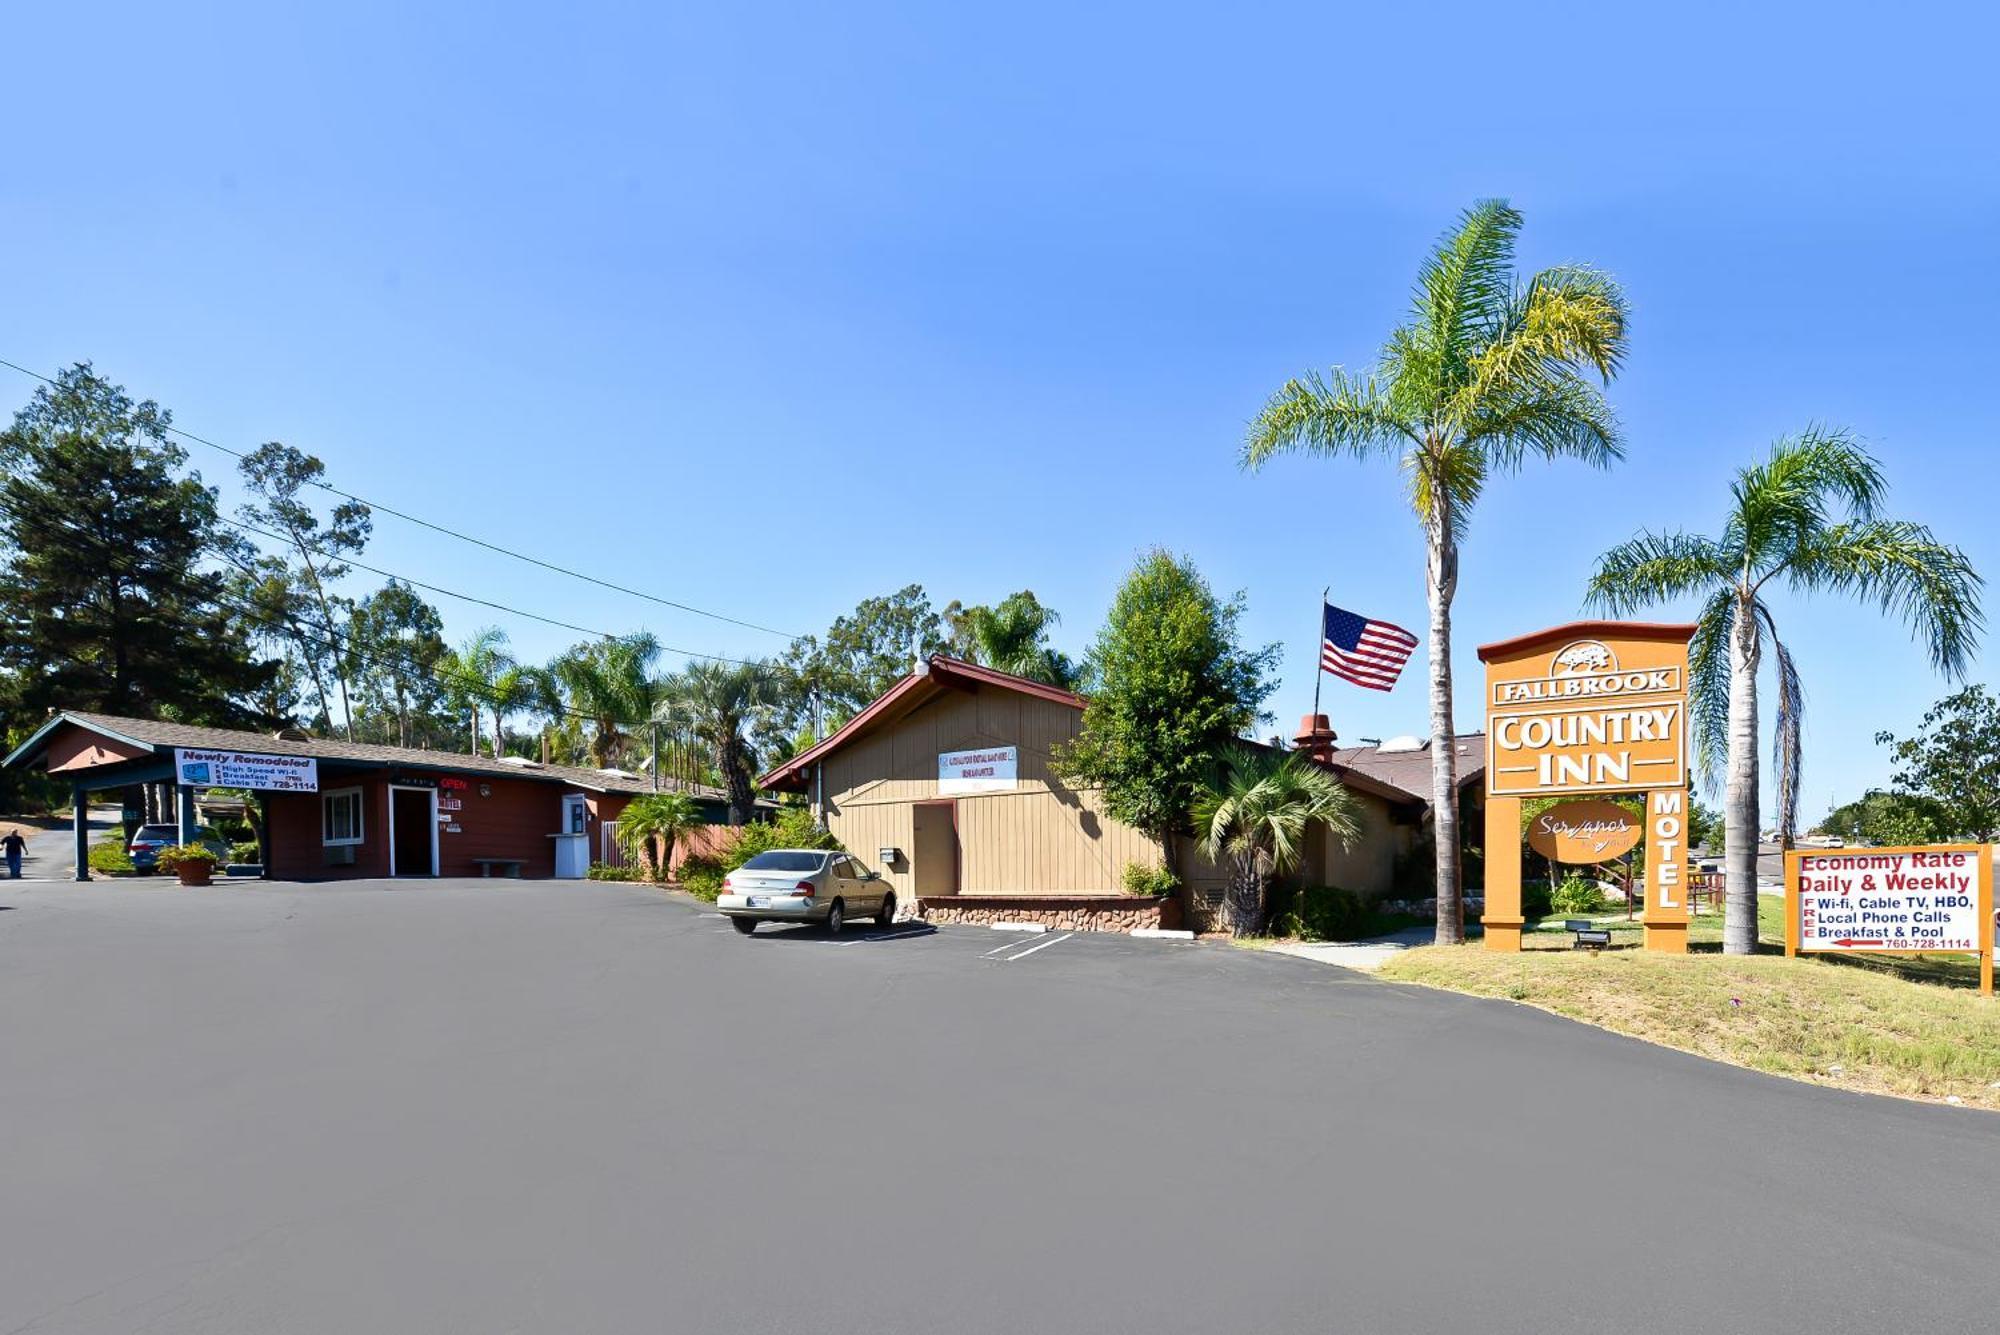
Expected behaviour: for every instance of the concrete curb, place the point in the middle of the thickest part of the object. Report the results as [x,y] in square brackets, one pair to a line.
[1018,926]
[1162,934]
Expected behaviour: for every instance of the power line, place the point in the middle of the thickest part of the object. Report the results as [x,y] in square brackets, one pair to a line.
[464,537]
[485,602]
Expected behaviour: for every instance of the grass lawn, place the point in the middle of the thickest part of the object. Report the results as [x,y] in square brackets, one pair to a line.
[1909,1027]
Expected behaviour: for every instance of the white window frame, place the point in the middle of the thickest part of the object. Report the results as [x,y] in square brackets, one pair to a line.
[360,817]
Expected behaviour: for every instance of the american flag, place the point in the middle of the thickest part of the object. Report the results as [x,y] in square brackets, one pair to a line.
[1366,652]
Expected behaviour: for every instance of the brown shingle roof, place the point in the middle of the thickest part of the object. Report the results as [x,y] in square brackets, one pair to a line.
[1409,772]
[155,732]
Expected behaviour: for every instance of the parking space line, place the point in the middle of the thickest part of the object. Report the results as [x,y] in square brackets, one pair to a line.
[1039,945]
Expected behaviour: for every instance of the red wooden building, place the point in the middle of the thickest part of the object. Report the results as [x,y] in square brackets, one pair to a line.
[333,809]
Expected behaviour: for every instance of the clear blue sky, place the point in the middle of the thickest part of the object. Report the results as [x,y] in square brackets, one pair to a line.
[773,309]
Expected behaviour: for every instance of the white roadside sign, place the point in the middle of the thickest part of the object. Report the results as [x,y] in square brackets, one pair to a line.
[1875,899]
[993,770]
[243,769]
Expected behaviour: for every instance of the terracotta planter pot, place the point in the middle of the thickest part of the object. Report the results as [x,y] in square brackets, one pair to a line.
[196,873]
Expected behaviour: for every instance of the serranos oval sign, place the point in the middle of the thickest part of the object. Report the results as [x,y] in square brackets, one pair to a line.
[1582,832]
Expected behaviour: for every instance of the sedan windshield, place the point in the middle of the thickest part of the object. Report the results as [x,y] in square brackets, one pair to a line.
[781,860]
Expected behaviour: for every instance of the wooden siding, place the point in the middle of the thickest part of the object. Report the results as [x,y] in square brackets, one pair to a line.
[1042,838]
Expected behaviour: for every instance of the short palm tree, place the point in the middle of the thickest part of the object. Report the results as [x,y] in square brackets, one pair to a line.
[650,826]
[720,701]
[1255,811]
[1488,371]
[1805,518]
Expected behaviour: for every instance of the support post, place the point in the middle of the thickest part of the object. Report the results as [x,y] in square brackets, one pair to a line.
[186,804]
[1503,873]
[80,817]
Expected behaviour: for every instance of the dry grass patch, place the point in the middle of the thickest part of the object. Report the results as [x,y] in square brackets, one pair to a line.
[1825,1022]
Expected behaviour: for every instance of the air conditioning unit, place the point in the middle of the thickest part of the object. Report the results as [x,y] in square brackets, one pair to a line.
[340,855]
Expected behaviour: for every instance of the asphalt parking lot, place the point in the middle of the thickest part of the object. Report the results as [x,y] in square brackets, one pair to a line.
[501,1106]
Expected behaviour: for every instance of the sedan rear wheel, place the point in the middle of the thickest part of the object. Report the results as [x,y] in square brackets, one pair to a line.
[836,917]
[744,925]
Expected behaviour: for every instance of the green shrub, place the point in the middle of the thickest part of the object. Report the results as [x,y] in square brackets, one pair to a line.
[701,876]
[109,856]
[175,856]
[604,871]
[1143,880]
[793,828]
[1535,899]
[1577,895]
[246,851]
[1322,913]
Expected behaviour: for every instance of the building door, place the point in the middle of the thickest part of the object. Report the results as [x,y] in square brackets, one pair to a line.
[934,848]
[413,832]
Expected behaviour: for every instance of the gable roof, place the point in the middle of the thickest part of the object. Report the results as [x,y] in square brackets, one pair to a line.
[1408,773]
[934,676]
[156,734]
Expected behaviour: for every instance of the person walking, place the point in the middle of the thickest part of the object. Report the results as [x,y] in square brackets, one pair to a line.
[15,846]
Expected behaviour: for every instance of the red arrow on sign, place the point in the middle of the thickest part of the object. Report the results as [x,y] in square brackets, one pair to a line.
[1850,941]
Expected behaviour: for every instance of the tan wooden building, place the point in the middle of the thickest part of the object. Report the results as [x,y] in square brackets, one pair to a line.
[945,785]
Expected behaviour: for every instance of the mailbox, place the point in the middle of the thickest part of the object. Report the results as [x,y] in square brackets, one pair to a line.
[888,856]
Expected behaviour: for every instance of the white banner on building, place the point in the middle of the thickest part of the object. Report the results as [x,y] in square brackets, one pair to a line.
[242,769]
[993,770]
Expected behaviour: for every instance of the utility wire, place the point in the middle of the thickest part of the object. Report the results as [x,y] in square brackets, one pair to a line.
[463,537]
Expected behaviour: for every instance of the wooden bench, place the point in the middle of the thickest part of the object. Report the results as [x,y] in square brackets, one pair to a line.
[508,866]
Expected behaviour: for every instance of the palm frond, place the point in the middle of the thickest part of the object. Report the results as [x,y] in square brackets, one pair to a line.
[1561,321]
[1928,585]
[1805,484]
[1466,283]
[1336,414]
[1655,568]
[1451,476]
[1708,684]
[1787,736]
[1559,419]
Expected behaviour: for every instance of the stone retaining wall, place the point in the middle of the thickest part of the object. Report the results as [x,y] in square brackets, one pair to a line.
[1068,913]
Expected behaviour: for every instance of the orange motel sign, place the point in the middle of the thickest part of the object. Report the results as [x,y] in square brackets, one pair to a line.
[1582,710]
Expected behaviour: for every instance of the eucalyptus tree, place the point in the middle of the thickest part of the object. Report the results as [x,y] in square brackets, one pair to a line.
[1808,518]
[1489,370]
[276,474]
[720,702]
[1255,812]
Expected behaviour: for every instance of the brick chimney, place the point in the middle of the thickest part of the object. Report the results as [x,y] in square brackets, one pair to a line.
[1316,737]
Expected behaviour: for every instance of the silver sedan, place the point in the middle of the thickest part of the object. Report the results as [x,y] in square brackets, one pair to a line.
[804,885]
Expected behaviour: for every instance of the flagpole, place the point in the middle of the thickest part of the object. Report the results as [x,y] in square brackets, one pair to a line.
[1319,651]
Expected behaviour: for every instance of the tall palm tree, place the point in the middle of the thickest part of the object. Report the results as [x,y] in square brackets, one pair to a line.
[720,701]
[1255,811]
[1012,635]
[610,684]
[651,824]
[482,673]
[1488,371]
[1807,518]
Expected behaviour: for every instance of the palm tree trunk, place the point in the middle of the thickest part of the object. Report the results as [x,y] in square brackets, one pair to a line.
[1441,584]
[1246,897]
[1740,799]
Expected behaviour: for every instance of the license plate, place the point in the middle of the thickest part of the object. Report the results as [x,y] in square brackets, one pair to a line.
[758,902]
